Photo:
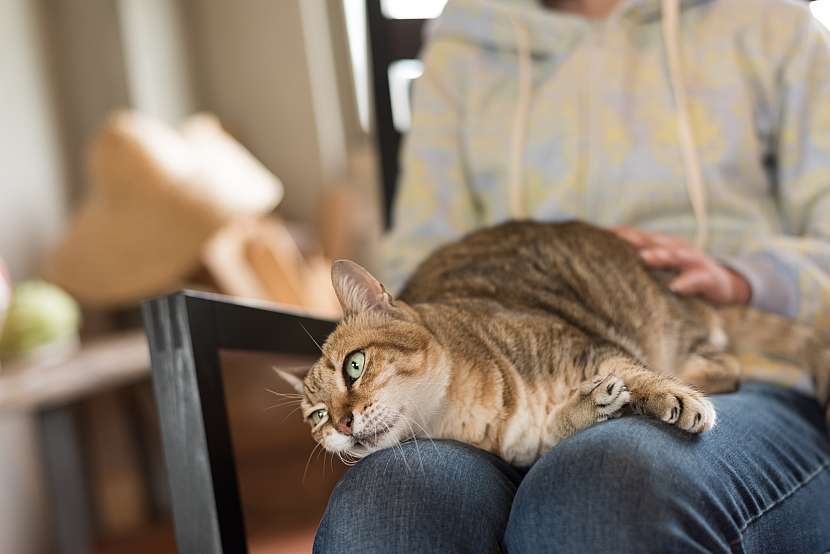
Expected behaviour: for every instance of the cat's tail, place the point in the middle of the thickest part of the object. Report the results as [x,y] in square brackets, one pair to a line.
[756,331]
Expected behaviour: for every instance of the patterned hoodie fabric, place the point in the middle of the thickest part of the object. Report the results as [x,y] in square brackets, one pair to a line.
[523,112]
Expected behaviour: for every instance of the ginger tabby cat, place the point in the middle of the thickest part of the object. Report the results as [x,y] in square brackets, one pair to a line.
[518,336]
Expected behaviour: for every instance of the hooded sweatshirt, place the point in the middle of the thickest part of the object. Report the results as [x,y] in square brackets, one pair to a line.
[707,119]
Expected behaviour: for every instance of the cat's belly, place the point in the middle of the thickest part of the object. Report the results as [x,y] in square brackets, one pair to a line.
[518,439]
[524,437]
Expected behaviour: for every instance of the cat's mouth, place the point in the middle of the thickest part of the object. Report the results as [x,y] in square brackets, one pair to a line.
[371,438]
[376,436]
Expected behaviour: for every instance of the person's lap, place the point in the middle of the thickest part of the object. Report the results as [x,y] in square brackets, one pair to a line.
[758,482]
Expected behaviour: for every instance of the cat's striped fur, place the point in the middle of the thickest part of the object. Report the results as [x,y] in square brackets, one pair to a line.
[521,334]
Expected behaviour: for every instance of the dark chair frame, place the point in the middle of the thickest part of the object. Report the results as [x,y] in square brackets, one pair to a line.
[390,40]
[186,332]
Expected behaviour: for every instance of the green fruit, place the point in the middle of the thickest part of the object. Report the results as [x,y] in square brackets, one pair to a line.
[39,314]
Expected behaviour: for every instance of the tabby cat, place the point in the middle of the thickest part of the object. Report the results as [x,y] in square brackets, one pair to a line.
[520,335]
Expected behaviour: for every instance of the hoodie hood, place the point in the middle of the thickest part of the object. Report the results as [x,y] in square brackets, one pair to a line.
[491,23]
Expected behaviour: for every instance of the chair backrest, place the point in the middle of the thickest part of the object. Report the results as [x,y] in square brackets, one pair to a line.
[394,47]
[186,331]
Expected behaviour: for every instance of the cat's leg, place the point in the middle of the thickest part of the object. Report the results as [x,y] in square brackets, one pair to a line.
[667,399]
[708,366]
[711,371]
[653,393]
[594,401]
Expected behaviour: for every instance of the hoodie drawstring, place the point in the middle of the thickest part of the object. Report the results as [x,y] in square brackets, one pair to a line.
[520,121]
[695,185]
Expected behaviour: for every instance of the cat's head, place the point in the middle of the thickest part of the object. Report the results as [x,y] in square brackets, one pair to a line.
[381,376]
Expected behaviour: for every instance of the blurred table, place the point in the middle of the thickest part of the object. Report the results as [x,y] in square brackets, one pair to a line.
[98,365]
[49,391]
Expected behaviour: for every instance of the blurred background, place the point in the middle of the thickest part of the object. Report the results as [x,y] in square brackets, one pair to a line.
[150,145]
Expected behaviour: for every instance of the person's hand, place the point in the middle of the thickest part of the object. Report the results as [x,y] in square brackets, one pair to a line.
[698,274]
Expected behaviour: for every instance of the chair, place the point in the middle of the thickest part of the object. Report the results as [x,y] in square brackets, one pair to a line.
[187,330]
[391,41]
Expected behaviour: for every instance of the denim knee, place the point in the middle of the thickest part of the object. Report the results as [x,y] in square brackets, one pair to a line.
[617,487]
[446,497]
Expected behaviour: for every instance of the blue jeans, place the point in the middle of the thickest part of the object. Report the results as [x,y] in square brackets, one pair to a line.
[758,482]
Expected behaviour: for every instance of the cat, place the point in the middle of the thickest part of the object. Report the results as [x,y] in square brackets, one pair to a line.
[518,336]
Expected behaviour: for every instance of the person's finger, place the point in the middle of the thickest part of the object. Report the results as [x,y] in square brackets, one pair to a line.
[632,235]
[669,241]
[643,239]
[658,257]
[695,281]
[672,258]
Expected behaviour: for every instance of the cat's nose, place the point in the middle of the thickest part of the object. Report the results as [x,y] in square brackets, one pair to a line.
[345,424]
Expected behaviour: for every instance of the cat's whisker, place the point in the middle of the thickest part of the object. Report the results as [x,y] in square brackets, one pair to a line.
[330,457]
[416,422]
[289,413]
[385,467]
[344,460]
[284,394]
[393,447]
[327,457]
[317,344]
[287,397]
[398,444]
[409,421]
[274,407]
[309,460]
[414,438]
[297,366]
[403,455]
[426,434]
[283,404]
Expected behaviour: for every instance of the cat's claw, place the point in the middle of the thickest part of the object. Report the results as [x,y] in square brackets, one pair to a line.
[683,407]
[609,395]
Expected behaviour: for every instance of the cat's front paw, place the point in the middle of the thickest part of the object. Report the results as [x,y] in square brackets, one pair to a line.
[681,406]
[608,394]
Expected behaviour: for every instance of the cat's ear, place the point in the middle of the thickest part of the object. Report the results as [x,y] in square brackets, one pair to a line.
[357,290]
[293,380]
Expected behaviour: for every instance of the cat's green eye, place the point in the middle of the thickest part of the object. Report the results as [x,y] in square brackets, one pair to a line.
[354,365]
[318,415]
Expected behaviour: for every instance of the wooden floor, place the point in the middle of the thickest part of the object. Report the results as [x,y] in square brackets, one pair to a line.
[284,490]
[159,540]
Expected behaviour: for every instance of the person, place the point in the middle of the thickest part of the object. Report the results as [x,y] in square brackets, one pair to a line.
[700,131]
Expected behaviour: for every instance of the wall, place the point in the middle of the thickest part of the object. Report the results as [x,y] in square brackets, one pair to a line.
[267,69]
[32,195]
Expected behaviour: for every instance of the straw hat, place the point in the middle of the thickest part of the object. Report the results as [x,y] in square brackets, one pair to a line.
[156,196]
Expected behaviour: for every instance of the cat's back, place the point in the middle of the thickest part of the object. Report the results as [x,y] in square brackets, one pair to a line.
[515,261]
